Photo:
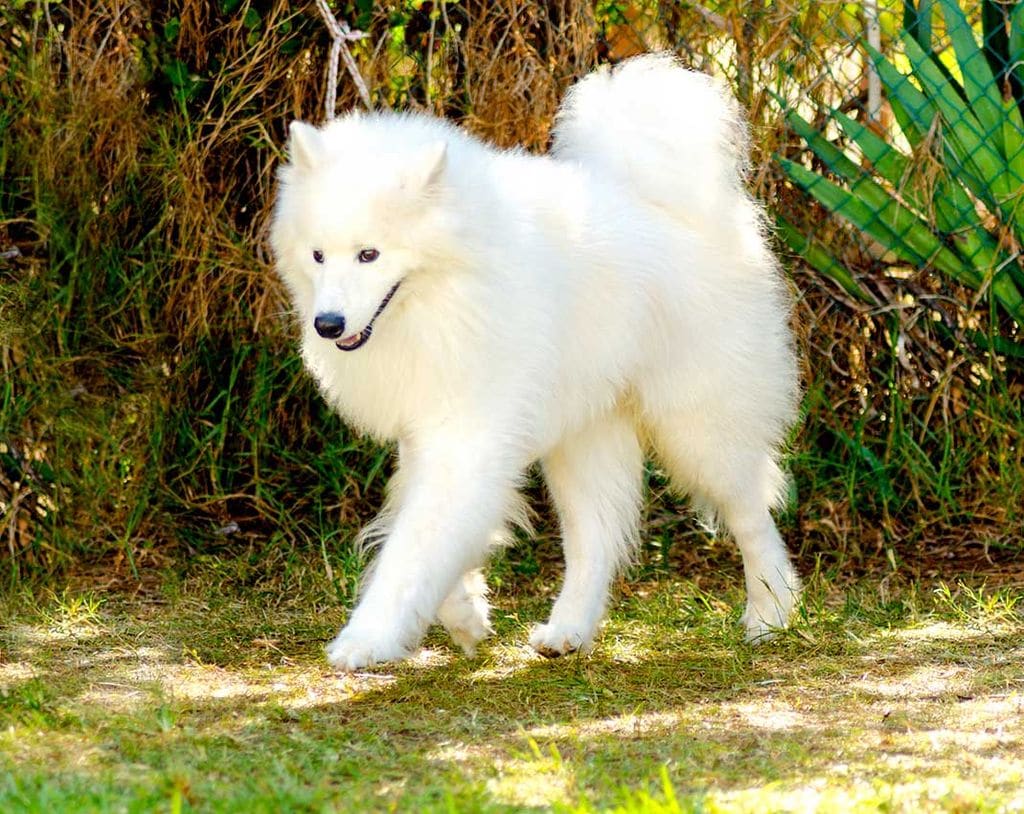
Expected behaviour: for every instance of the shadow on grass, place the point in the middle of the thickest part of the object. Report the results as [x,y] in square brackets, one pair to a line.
[227,706]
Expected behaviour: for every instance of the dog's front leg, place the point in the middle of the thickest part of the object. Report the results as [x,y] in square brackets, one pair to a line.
[454,493]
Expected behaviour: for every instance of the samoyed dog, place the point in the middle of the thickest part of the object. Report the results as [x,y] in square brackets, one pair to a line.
[489,308]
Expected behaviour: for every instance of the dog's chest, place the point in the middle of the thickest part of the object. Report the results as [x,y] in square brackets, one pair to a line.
[382,392]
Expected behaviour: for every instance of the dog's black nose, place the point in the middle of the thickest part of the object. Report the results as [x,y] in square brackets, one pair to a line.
[329,326]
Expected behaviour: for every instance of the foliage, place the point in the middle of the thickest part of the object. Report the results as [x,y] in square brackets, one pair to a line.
[152,404]
[952,202]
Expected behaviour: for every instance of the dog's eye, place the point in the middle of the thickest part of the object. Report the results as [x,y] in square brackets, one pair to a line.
[318,256]
[368,255]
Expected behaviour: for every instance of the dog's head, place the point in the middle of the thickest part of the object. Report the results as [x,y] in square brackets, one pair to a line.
[356,207]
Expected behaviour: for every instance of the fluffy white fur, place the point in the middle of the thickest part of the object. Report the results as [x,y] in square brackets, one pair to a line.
[574,309]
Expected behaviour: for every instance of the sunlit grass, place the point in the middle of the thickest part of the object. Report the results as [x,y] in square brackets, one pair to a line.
[215,699]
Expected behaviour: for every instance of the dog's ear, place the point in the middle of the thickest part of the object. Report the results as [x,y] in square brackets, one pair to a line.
[426,166]
[303,145]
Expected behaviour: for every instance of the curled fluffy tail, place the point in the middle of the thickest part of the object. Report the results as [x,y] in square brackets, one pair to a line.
[675,137]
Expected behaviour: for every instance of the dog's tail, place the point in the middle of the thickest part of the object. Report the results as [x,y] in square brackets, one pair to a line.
[675,137]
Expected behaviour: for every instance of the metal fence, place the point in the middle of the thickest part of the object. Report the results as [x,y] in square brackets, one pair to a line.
[922,164]
[888,133]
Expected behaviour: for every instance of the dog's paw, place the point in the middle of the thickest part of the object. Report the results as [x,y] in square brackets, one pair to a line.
[552,640]
[762,621]
[770,603]
[757,630]
[465,613]
[354,650]
[467,622]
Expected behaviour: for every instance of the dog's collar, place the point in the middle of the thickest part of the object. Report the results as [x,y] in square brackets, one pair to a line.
[364,335]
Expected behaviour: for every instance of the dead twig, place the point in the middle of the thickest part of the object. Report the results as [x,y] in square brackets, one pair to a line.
[341,34]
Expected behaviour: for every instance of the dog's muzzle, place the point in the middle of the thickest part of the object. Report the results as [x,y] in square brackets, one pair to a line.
[332,325]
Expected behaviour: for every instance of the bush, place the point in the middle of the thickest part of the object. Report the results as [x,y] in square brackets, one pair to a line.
[152,404]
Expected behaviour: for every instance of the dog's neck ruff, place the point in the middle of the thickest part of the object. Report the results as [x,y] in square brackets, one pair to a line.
[363,336]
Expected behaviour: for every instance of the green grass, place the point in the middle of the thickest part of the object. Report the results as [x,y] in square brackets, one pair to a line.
[207,691]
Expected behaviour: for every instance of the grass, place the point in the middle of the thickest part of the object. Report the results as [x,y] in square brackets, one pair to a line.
[207,691]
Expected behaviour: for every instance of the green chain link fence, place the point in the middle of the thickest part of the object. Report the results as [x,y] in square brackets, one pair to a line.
[889,132]
[901,120]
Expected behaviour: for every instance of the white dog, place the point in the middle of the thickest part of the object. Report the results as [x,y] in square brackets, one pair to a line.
[488,309]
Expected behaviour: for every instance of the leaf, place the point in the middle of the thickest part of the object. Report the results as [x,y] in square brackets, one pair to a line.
[1016,44]
[868,207]
[953,209]
[998,344]
[975,152]
[979,83]
[1007,293]
[873,463]
[1001,120]
[818,257]
[171,29]
[841,165]
[176,72]
[885,159]
[913,110]
[918,21]
[872,210]
[1013,142]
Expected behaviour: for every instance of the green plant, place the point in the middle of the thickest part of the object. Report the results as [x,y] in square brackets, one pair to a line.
[949,201]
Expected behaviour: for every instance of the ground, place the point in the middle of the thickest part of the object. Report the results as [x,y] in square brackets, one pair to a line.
[207,690]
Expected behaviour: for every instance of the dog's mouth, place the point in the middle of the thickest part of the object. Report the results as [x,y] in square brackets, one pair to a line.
[356,341]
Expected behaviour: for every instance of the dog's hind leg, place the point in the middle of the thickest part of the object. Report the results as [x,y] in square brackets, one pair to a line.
[595,480]
[465,613]
[772,585]
[738,482]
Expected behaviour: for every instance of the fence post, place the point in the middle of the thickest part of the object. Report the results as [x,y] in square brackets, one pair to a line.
[874,35]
